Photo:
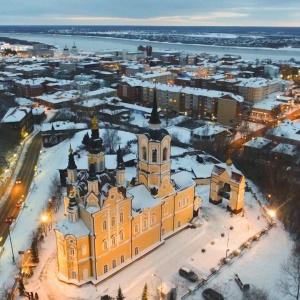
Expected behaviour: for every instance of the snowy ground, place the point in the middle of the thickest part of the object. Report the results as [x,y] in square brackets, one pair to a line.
[254,266]
[259,265]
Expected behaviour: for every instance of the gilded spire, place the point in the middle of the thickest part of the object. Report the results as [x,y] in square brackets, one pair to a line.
[95,123]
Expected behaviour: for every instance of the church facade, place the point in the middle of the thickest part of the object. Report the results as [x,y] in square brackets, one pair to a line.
[110,222]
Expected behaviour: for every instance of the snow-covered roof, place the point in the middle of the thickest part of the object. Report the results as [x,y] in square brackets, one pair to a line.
[142,198]
[63,125]
[78,229]
[234,174]
[287,149]
[287,129]
[257,142]
[15,114]
[182,180]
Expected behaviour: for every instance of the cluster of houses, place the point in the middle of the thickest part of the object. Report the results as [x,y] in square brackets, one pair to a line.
[225,90]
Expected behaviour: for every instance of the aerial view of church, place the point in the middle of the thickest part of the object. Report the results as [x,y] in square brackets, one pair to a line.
[110,222]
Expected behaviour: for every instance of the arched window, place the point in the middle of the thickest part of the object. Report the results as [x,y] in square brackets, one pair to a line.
[179,203]
[122,258]
[105,269]
[153,219]
[121,235]
[121,217]
[104,225]
[144,153]
[73,275]
[136,251]
[83,249]
[114,263]
[163,231]
[145,224]
[113,240]
[113,221]
[104,245]
[165,153]
[154,155]
[179,224]
[72,252]
[136,228]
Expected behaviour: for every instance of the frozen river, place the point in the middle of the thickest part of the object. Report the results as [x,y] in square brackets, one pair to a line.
[93,44]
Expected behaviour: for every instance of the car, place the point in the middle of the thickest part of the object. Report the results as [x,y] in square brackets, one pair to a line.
[210,294]
[19,203]
[18,181]
[10,219]
[188,274]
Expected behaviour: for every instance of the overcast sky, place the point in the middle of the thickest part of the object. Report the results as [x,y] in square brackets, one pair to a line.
[154,12]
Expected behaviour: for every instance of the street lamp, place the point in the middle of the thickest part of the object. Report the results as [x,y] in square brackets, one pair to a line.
[227,240]
[160,297]
[44,220]
[12,250]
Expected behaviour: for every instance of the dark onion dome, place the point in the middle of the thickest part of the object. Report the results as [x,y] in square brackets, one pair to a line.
[154,134]
[92,172]
[66,48]
[95,143]
[72,201]
[154,118]
[71,164]
[120,162]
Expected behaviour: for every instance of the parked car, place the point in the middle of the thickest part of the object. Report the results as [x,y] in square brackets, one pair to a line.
[188,274]
[9,220]
[210,294]
[19,203]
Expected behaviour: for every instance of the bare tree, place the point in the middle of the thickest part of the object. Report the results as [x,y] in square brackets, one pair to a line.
[256,294]
[289,282]
[111,139]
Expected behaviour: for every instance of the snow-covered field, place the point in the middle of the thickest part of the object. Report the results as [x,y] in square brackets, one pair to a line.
[259,266]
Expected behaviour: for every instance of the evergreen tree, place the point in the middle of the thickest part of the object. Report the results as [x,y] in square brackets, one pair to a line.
[106,297]
[120,295]
[86,139]
[21,287]
[34,251]
[145,295]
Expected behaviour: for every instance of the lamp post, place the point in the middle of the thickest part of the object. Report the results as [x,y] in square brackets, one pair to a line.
[12,250]
[227,241]
[44,220]
[160,297]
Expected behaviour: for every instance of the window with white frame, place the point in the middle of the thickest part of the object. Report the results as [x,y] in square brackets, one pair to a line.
[122,258]
[104,245]
[145,224]
[136,228]
[113,221]
[104,225]
[114,263]
[105,269]
[121,217]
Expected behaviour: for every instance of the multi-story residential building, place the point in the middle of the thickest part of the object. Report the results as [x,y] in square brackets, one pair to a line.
[157,77]
[19,121]
[197,103]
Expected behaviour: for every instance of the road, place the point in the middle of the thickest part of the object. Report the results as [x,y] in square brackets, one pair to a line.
[26,174]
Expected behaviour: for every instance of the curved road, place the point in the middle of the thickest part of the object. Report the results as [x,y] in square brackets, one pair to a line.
[26,173]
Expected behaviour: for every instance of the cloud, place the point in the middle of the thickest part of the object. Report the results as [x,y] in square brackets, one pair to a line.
[155,12]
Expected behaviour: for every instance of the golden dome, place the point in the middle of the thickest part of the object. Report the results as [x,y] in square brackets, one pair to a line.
[70,149]
[95,123]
